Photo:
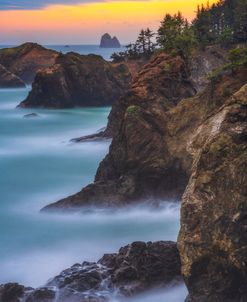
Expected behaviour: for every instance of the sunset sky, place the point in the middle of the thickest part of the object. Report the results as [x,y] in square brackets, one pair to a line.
[83,21]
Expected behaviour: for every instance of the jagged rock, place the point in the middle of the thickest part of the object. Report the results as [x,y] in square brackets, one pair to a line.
[212,240]
[136,268]
[25,60]
[11,292]
[98,136]
[31,115]
[108,42]
[136,164]
[78,80]
[149,157]
[9,80]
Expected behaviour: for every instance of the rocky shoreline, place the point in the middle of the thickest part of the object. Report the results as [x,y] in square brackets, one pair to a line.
[135,269]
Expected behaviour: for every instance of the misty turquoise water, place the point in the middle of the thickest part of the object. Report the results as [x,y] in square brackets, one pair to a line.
[39,165]
[82,49]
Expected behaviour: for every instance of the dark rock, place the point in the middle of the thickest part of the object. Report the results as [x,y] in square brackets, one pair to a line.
[108,42]
[11,292]
[137,267]
[77,80]
[25,60]
[213,240]
[153,125]
[31,115]
[9,80]
[45,294]
[136,166]
[98,136]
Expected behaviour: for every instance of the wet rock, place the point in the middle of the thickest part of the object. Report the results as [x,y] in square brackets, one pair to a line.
[25,60]
[31,115]
[78,80]
[45,294]
[212,240]
[98,136]
[11,292]
[9,80]
[136,268]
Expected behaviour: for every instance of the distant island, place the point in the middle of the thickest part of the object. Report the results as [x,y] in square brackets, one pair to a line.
[108,42]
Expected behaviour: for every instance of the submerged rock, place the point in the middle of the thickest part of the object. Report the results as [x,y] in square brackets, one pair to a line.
[213,240]
[136,268]
[31,115]
[9,80]
[25,60]
[78,80]
[108,42]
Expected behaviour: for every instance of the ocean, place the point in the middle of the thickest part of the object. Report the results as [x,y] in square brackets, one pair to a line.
[40,165]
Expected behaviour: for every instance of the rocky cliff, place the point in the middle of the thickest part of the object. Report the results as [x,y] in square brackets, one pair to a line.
[108,42]
[136,268]
[212,240]
[25,60]
[9,80]
[77,80]
[152,127]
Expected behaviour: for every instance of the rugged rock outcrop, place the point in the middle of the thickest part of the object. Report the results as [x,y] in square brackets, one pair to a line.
[25,60]
[202,62]
[9,80]
[108,42]
[213,240]
[78,80]
[136,268]
[149,154]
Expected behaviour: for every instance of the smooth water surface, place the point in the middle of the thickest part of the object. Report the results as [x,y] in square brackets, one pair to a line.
[40,165]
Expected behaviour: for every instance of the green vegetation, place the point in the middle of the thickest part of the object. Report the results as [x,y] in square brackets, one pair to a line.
[223,23]
[132,109]
[143,47]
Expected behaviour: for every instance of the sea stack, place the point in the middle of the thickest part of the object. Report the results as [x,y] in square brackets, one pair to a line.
[108,42]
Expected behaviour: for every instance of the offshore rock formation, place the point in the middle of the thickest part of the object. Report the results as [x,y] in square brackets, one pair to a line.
[108,42]
[78,80]
[9,80]
[136,268]
[25,60]
[213,240]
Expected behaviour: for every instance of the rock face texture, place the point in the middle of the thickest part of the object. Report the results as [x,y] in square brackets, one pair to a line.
[9,80]
[108,42]
[152,127]
[213,240]
[139,163]
[25,60]
[136,268]
[77,80]
[202,63]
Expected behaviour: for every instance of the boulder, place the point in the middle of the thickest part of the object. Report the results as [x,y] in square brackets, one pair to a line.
[11,292]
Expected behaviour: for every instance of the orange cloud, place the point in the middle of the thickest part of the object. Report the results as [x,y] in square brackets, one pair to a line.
[84,23]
